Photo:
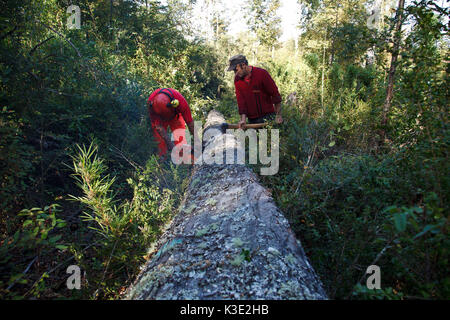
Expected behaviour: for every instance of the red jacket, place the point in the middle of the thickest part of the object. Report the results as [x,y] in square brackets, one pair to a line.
[256,98]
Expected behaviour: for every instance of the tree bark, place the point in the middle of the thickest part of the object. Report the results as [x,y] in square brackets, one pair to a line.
[393,67]
[228,241]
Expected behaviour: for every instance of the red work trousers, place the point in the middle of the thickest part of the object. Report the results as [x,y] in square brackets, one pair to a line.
[178,130]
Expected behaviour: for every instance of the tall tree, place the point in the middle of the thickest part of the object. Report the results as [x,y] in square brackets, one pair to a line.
[342,23]
[218,22]
[399,18]
[263,20]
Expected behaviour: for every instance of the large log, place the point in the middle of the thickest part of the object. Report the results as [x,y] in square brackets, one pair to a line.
[228,241]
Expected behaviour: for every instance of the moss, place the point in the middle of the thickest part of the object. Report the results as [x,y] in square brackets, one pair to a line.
[195,182]
[190,209]
[238,259]
[237,242]
[168,246]
[151,281]
[203,245]
[202,232]
[273,251]
[290,258]
[211,202]
[214,226]
[246,254]
[289,290]
[210,228]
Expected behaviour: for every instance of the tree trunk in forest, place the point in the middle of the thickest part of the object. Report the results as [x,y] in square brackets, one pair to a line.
[392,69]
[323,74]
[110,18]
[331,60]
[228,241]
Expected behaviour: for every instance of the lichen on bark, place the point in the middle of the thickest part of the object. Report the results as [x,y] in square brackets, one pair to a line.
[228,241]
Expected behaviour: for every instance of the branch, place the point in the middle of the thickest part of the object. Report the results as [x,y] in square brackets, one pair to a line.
[387,246]
[134,164]
[62,36]
[39,44]
[59,265]
[72,45]
[23,273]
[60,93]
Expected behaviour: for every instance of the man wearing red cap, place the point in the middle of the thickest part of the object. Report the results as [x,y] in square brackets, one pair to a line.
[256,92]
[168,108]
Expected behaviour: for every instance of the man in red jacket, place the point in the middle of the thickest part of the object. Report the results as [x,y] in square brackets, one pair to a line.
[168,108]
[256,92]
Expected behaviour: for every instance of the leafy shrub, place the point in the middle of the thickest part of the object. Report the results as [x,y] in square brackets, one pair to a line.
[125,228]
[35,239]
[16,164]
[348,217]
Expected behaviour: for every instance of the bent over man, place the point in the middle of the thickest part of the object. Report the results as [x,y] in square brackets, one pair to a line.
[168,108]
[256,92]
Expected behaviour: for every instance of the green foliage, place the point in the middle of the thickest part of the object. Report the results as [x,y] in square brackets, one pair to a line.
[351,205]
[126,229]
[312,60]
[35,238]
[340,209]
[420,232]
[61,88]
[362,292]
[263,21]
[16,164]
[352,77]
[353,42]
[97,192]
[353,200]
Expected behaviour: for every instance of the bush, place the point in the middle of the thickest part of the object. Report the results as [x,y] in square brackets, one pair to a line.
[35,240]
[125,229]
[16,164]
[348,217]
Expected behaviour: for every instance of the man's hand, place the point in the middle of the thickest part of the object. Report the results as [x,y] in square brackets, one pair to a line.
[242,121]
[278,119]
[165,136]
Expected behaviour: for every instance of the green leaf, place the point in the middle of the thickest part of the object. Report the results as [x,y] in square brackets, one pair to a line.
[400,221]
[44,235]
[27,222]
[54,239]
[35,231]
[391,209]
[332,143]
[61,247]
[425,230]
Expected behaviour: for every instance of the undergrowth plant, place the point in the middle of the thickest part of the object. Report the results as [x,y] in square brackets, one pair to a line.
[38,237]
[124,228]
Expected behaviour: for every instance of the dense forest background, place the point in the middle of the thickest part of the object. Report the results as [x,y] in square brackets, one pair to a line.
[363,174]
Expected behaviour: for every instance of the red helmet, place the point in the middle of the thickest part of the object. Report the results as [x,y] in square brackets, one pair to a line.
[159,105]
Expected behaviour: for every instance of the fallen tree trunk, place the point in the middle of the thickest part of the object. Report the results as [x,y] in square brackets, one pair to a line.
[228,241]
